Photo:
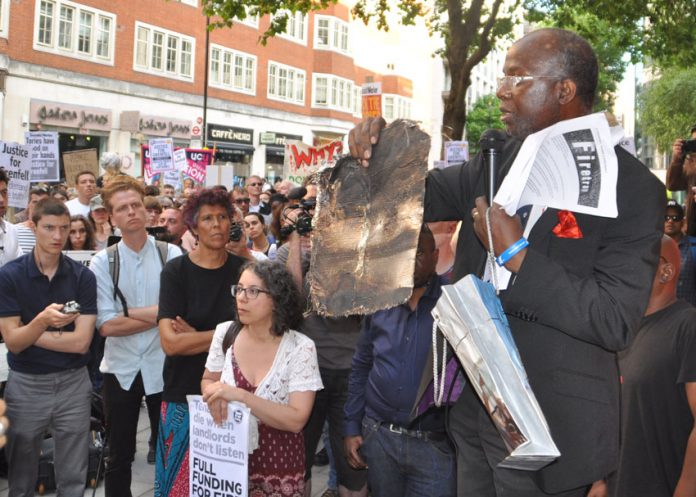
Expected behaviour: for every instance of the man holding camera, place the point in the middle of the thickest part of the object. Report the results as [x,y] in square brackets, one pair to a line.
[681,175]
[48,307]
[128,303]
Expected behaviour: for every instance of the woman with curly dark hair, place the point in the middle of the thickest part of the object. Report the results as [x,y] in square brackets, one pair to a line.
[194,298]
[81,235]
[259,359]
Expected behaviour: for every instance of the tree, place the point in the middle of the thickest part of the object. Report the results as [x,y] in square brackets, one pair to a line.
[470,29]
[663,30]
[611,42]
[485,114]
[667,106]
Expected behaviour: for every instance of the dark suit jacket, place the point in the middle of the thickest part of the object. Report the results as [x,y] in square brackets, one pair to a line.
[572,305]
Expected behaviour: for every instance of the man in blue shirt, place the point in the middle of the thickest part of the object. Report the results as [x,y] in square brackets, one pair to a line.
[674,228]
[408,457]
[48,388]
[133,357]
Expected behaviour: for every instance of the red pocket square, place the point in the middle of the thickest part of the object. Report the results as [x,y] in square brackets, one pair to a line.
[567,226]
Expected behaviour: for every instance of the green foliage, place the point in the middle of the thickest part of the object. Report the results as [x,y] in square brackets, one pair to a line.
[667,107]
[663,30]
[224,13]
[485,114]
[610,41]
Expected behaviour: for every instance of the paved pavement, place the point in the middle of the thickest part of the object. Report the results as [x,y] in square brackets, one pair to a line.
[144,473]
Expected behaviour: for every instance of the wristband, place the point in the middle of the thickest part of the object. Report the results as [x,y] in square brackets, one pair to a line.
[511,251]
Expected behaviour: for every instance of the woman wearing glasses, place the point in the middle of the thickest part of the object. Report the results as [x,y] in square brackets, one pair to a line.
[194,298]
[258,359]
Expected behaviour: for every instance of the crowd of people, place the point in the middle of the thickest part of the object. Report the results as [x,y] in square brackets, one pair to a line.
[204,291]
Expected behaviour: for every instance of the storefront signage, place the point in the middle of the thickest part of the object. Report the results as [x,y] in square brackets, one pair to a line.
[69,116]
[227,134]
[279,139]
[135,122]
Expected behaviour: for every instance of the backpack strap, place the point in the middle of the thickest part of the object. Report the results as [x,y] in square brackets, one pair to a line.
[230,335]
[114,268]
[162,250]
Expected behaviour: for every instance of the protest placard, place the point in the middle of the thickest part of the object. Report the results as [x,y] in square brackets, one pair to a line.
[84,257]
[218,455]
[80,160]
[302,160]
[456,152]
[45,161]
[371,100]
[15,159]
[196,163]
[161,154]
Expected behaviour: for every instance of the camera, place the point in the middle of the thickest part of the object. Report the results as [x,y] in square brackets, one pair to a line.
[303,225]
[236,232]
[689,146]
[71,307]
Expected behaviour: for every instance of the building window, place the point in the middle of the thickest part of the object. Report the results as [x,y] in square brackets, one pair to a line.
[296,28]
[286,83]
[192,3]
[331,33]
[4,17]
[232,70]
[396,107]
[335,93]
[71,29]
[163,52]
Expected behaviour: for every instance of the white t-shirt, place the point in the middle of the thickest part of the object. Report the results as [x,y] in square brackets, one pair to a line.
[77,208]
[9,245]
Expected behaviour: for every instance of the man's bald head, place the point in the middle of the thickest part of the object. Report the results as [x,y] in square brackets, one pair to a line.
[568,55]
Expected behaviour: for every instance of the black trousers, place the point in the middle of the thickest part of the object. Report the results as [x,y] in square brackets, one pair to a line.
[328,404]
[122,409]
[480,449]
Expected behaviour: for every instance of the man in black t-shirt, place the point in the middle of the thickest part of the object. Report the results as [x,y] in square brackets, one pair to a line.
[658,394]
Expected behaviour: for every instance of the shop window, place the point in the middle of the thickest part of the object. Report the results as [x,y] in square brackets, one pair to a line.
[286,83]
[74,30]
[232,70]
[331,33]
[163,52]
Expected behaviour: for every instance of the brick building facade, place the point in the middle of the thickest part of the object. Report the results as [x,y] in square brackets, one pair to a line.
[110,75]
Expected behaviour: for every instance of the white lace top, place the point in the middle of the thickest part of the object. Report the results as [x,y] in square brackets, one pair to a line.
[294,368]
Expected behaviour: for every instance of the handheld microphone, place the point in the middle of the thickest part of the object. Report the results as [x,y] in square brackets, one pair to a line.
[492,142]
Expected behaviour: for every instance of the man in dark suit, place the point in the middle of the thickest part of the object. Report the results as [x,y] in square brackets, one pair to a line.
[572,302]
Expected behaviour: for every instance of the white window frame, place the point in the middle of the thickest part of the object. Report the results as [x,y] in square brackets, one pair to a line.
[292,36]
[342,101]
[192,3]
[53,45]
[167,37]
[219,81]
[250,21]
[402,107]
[271,82]
[334,25]
[5,18]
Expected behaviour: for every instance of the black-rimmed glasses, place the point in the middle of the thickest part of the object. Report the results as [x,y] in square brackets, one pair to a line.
[251,293]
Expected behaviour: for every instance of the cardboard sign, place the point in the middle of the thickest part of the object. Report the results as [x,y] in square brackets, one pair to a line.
[218,455]
[80,160]
[302,160]
[15,159]
[45,161]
